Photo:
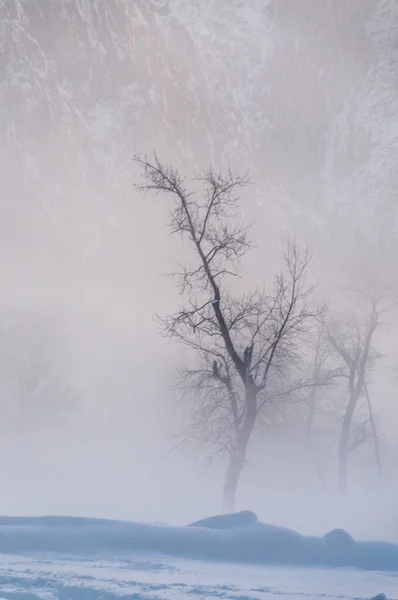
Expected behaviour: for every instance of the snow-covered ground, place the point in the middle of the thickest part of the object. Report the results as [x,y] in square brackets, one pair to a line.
[23,578]
[70,558]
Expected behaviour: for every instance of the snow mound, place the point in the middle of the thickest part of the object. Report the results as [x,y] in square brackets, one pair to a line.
[255,543]
[229,521]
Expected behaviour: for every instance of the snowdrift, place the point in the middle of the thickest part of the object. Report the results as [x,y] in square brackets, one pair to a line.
[234,540]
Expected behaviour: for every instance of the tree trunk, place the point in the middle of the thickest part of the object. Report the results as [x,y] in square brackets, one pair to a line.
[237,458]
[343,446]
[343,460]
[234,470]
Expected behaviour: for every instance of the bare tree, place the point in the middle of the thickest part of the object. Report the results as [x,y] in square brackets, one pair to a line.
[351,338]
[242,344]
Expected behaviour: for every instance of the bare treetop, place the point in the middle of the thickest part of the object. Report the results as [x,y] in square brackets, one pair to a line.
[212,224]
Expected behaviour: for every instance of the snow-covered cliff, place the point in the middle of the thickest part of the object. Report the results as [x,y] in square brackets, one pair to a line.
[304,94]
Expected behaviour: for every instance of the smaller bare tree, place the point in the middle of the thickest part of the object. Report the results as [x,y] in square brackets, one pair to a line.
[351,338]
[242,343]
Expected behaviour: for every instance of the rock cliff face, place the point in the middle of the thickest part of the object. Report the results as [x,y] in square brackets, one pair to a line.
[303,94]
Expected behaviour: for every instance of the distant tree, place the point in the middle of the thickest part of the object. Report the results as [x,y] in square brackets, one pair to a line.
[324,373]
[34,381]
[243,344]
[351,338]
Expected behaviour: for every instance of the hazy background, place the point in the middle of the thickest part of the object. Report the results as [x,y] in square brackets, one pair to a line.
[304,95]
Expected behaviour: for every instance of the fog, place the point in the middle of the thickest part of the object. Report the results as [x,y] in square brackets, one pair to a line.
[303,95]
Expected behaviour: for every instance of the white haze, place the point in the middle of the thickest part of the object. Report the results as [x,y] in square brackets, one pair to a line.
[303,94]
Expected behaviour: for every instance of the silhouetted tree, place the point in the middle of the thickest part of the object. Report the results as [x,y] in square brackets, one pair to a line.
[243,343]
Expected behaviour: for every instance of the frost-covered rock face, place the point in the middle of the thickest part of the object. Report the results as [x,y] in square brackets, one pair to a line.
[302,94]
